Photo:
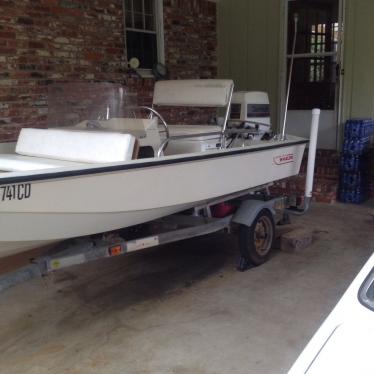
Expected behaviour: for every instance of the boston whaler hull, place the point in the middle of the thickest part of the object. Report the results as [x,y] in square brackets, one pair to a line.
[45,206]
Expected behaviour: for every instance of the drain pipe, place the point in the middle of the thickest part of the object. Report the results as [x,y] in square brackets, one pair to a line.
[310,167]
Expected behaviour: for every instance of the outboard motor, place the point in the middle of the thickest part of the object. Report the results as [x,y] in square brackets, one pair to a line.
[251,110]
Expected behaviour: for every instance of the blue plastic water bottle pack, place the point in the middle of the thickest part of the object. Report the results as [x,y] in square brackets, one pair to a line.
[354,182]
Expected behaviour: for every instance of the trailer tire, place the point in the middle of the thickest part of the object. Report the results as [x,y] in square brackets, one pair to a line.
[256,241]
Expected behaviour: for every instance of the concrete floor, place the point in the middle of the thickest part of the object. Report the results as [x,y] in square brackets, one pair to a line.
[184,309]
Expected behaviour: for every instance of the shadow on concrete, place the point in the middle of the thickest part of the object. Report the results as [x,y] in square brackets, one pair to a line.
[122,282]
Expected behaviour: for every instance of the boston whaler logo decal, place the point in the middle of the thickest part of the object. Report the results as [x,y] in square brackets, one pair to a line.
[284,159]
[15,192]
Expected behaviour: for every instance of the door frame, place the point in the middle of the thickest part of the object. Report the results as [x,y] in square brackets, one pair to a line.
[283,67]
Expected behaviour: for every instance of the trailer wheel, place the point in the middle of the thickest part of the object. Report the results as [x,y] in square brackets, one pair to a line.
[256,241]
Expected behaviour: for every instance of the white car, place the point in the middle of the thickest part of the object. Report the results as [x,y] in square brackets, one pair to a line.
[345,341]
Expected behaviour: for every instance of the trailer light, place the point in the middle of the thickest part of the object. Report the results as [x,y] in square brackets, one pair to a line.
[116,250]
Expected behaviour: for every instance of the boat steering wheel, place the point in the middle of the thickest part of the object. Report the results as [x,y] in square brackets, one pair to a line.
[165,142]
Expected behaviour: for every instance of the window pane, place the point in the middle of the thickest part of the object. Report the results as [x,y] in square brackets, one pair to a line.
[138,6]
[312,73]
[142,46]
[129,19]
[149,23]
[313,84]
[148,5]
[128,5]
[138,21]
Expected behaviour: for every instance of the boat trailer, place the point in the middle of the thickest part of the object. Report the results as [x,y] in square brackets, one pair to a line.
[254,216]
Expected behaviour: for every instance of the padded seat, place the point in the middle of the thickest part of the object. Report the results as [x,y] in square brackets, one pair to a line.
[193,92]
[24,163]
[77,146]
[52,148]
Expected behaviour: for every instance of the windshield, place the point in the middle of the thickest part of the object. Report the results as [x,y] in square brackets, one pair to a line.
[72,103]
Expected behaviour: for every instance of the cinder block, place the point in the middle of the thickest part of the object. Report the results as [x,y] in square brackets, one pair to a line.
[296,240]
[282,230]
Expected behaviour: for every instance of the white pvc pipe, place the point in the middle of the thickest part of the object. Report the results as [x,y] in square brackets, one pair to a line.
[312,153]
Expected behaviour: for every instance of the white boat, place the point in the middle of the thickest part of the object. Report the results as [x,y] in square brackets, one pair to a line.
[71,182]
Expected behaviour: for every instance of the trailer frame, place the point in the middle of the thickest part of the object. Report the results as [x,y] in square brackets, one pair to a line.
[171,229]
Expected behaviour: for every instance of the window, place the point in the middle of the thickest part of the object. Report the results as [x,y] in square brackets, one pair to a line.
[319,43]
[144,29]
[315,75]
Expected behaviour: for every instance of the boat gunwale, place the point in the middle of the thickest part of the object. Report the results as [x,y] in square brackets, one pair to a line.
[140,165]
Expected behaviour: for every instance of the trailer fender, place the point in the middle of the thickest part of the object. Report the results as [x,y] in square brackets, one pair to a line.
[248,210]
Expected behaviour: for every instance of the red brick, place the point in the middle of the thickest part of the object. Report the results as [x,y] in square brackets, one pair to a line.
[27,40]
[7,35]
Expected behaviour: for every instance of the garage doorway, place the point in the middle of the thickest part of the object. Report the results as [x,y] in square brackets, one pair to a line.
[317,67]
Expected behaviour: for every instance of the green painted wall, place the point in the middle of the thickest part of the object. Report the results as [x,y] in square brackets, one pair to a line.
[249,37]
[248,45]
[358,98]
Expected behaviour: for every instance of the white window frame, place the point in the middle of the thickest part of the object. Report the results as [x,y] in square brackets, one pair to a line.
[159,20]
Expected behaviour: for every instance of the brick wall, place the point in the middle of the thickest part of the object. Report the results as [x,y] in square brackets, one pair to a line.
[326,178]
[190,38]
[47,41]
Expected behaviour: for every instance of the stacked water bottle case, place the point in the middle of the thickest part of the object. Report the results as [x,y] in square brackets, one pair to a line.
[354,183]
